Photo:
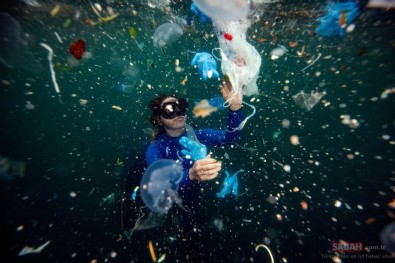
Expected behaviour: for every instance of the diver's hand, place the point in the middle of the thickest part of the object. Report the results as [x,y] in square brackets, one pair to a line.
[227,93]
[205,169]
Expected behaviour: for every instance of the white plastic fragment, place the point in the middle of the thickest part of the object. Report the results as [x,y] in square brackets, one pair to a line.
[31,250]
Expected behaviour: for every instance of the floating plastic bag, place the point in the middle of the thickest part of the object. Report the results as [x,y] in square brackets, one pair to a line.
[338,16]
[202,16]
[206,64]
[308,101]
[241,62]
[224,10]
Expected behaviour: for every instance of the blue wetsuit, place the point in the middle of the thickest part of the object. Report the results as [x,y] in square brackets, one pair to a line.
[166,147]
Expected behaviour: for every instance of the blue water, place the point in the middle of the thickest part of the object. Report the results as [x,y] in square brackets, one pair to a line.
[78,153]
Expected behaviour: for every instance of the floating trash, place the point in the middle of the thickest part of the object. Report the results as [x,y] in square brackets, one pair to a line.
[385,4]
[31,250]
[346,120]
[206,64]
[77,48]
[217,10]
[308,101]
[202,16]
[110,199]
[193,149]
[230,185]
[133,35]
[278,52]
[339,15]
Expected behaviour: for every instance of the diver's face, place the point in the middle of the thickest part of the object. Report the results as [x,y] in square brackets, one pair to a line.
[175,117]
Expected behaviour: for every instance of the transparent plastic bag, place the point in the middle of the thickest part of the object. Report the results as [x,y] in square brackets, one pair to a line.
[241,62]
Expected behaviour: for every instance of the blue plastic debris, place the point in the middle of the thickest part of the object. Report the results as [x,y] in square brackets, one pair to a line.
[193,149]
[331,24]
[202,16]
[134,194]
[230,185]
[206,64]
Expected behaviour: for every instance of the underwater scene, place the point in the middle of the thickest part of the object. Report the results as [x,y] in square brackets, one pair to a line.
[311,178]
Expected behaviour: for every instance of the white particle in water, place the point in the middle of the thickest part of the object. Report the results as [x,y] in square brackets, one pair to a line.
[337,203]
[29,105]
[350,28]
[285,123]
[386,137]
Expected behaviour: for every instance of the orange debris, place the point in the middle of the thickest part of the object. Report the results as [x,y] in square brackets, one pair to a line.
[184,81]
[304,205]
[151,250]
[370,220]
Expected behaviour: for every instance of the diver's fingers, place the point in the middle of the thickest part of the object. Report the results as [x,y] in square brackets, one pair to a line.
[206,164]
[224,92]
[209,177]
[209,171]
[221,89]
[211,166]
[205,161]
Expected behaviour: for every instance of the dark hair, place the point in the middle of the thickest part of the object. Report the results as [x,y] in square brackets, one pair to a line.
[155,107]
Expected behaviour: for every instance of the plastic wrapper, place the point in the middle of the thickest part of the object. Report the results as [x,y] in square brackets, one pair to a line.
[241,62]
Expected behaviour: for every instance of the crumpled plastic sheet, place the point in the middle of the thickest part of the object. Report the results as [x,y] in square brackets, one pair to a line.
[330,23]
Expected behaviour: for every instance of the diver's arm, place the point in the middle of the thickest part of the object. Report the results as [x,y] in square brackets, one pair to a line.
[152,154]
[235,107]
[230,134]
